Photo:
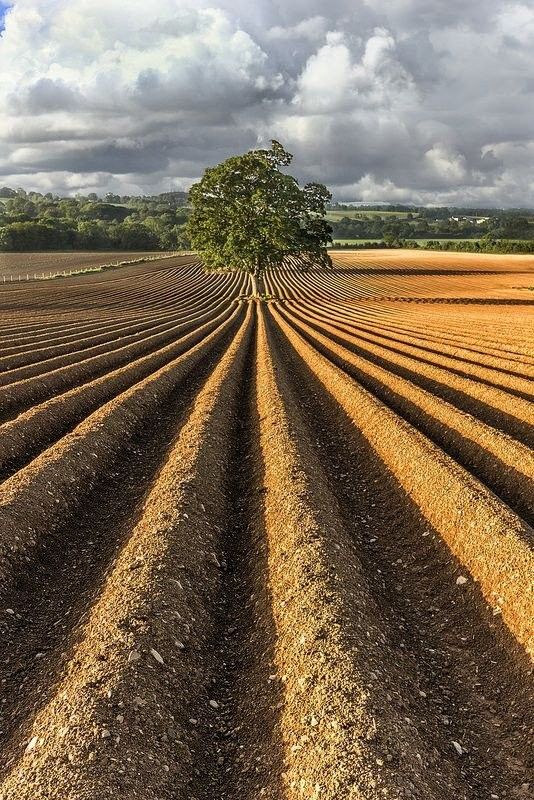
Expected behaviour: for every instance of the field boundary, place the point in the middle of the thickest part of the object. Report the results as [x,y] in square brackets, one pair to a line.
[35,276]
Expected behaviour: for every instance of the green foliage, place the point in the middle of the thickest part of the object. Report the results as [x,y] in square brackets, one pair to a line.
[21,236]
[35,221]
[32,221]
[249,215]
[104,211]
[137,236]
[429,223]
[487,244]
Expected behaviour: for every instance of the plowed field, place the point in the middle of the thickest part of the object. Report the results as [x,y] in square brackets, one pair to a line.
[14,266]
[276,549]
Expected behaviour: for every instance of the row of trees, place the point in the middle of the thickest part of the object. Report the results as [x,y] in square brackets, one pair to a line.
[174,198]
[95,235]
[505,225]
[41,222]
[484,245]
[35,221]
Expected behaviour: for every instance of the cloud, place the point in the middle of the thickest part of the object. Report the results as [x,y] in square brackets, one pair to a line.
[447,166]
[417,100]
[332,81]
[311,28]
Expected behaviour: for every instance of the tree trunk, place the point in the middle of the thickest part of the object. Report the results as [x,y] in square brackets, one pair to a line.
[254,279]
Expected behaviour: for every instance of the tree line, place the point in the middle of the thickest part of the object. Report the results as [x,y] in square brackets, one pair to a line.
[485,245]
[33,221]
[422,224]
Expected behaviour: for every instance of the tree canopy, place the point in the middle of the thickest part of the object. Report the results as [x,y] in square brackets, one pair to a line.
[249,215]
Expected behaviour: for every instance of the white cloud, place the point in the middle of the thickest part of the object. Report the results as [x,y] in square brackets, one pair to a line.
[312,28]
[517,21]
[446,165]
[413,99]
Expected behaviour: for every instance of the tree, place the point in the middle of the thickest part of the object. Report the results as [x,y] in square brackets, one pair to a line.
[105,211]
[248,215]
[135,236]
[92,235]
[33,235]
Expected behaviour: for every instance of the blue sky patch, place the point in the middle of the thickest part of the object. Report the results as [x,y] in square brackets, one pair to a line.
[4,7]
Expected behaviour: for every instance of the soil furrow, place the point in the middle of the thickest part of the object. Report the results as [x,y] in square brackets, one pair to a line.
[338,729]
[23,438]
[157,594]
[475,370]
[473,522]
[457,352]
[506,466]
[513,415]
[239,751]
[39,497]
[256,550]
[106,344]
[474,678]
[17,397]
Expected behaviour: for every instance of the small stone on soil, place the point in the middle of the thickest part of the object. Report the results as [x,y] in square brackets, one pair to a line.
[156,655]
[31,744]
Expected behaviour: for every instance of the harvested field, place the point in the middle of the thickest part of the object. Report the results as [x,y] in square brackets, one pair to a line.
[275,549]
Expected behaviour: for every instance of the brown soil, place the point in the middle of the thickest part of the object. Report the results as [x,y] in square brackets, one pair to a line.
[278,551]
[22,264]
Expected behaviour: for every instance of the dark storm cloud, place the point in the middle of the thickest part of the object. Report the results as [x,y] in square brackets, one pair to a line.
[47,95]
[412,99]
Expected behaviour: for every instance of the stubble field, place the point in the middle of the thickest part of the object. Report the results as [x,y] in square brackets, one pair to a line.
[276,549]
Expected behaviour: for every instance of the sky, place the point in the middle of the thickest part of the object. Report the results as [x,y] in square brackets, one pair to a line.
[3,9]
[423,101]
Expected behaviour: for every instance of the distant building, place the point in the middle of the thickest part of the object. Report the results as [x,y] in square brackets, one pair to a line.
[474,220]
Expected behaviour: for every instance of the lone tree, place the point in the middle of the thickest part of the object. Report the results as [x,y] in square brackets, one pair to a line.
[248,215]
